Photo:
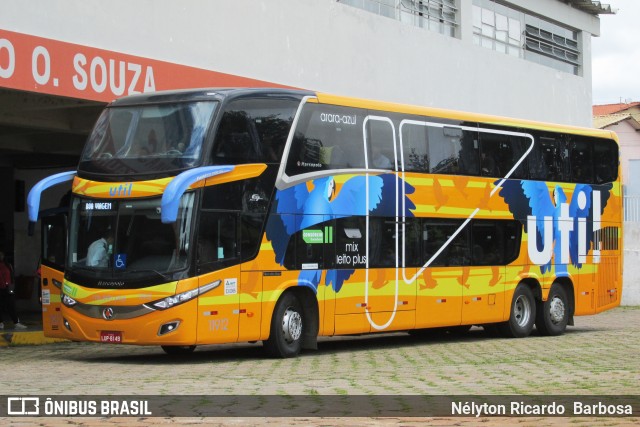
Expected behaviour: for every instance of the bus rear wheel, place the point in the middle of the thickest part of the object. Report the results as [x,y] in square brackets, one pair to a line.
[178,349]
[523,314]
[287,328]
[553,314]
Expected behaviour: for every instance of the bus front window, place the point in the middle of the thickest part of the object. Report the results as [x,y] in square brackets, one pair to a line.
[91,233]
[144,243]
[127,238]
[148,137]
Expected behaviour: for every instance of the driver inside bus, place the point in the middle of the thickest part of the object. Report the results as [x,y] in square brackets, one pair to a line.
[98,252]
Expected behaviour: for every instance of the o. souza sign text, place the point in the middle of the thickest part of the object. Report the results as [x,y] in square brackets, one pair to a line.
[58,68]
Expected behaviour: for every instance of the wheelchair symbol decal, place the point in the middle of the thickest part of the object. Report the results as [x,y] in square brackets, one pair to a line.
[120,261]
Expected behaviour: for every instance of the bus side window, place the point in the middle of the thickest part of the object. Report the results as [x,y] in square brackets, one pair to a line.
[254,130]
[380,141]
[605,161]
[499,153]
[312,152]
[493,151]
[235,139]
[327,137]
[310,248]
[415,148]
[435,234]
[550,156]
[217,240]
[487,243]
[382,242]
[412,240]
[444,146]
[511,234]
[581,161]
[350,243]
[469,156]
[54,240]
[453,150]
[537,167]
[250,235]
[519,146]
[273,119]
[495,242]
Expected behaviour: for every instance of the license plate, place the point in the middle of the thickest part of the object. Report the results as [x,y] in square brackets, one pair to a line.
[113,337]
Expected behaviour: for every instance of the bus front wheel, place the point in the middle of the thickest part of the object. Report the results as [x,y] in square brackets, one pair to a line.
[553,314]
[287,323]
[523,314]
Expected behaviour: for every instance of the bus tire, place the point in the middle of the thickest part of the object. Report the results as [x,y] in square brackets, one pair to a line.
[553,314]
[287,327]
[175,350]
[523,314]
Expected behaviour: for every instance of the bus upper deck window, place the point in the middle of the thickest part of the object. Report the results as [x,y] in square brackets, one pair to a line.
[581,161]
[605,161]
[254,130]
[327,137]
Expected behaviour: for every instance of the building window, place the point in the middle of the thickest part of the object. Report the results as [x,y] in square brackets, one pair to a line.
[435,15]
[501,28]
[557,48]
[498,28]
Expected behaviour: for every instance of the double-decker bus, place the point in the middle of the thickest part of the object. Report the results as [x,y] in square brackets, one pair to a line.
[228,215]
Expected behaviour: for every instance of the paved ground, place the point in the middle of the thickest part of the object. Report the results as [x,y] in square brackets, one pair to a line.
[598,356]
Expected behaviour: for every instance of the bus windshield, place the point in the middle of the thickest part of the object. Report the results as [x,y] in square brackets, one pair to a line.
[148,137]
[127,238]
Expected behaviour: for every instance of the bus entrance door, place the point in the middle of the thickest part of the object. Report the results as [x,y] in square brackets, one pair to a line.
[53,251]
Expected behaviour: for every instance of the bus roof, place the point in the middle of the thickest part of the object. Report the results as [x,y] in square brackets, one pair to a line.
[225,94]
[325,98]
[205,94]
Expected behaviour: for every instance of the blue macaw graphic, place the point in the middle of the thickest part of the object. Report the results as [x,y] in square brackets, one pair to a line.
[527,198]
[296,208]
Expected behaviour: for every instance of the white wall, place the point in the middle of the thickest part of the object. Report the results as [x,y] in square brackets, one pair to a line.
[629,145]
[323,45]
[629,149]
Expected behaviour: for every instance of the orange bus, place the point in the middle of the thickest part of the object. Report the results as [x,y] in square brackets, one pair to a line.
[227,215]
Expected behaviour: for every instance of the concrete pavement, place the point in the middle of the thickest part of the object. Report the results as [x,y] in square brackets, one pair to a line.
[597,357]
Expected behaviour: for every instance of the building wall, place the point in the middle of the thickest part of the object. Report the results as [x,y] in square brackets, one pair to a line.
[631,284]
[629,146]
[630,150]
[327,46]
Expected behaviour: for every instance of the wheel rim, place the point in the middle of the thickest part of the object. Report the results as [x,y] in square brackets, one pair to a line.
[556,310]
[522,311]
[291,325]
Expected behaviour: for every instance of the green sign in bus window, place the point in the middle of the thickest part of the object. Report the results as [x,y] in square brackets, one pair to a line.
[313,237]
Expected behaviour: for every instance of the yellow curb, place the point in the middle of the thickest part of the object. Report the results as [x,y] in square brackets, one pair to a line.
[33,338]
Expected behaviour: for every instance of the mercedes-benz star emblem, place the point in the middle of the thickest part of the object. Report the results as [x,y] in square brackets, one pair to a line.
[107,313]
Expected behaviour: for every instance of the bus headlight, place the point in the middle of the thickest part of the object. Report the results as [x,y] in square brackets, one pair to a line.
[68,301]
[181,298]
